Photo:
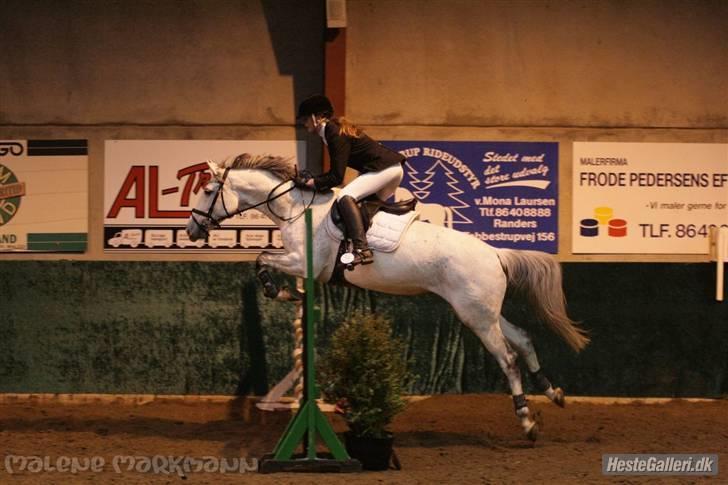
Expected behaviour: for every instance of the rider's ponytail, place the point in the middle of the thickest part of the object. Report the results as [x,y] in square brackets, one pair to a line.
[347,128]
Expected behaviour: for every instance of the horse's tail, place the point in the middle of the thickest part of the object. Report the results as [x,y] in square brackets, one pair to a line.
[538,276]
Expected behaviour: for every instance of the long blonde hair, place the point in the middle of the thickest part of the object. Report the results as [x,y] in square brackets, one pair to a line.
[347,128]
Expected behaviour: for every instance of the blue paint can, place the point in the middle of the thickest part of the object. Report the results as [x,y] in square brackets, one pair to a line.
[589,227]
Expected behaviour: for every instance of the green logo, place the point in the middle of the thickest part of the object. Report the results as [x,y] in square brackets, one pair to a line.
[11,192]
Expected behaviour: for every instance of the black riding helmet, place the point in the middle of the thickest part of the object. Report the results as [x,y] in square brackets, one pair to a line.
[318,105]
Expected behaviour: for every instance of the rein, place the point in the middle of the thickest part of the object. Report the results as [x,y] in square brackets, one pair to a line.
[270,198]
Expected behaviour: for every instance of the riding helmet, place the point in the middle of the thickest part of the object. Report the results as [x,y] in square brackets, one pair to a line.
[318,105]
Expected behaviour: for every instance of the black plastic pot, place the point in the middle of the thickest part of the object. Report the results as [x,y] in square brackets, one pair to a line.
[373,453]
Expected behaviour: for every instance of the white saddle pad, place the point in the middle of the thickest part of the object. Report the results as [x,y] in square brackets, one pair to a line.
[386,231]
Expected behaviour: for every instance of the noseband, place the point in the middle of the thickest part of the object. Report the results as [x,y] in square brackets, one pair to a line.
[213,222]
[208,215]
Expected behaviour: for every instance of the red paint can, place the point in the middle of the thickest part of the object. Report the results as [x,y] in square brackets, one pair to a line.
[617,228]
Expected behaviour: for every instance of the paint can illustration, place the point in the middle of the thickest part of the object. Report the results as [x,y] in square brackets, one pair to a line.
[617,228]
[589,227]
[603,214]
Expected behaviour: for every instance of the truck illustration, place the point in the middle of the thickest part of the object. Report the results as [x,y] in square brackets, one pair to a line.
[223,237]
[158,237]
[126,237]
[183,240]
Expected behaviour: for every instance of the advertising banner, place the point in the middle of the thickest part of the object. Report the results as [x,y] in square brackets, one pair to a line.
[43,195]
[646,198]
[150,187]
[504,193]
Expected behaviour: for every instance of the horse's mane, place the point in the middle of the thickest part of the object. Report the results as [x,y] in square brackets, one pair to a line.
[281,167]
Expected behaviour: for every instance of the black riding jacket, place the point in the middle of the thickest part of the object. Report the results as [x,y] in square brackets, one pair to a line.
[361,153]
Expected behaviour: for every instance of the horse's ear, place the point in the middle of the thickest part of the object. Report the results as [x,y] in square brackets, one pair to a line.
[214,169]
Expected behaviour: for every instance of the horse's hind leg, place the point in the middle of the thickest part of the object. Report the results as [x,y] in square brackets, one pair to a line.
[485,325]
[521,342]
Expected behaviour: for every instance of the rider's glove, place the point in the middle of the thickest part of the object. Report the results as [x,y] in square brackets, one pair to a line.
[301,178]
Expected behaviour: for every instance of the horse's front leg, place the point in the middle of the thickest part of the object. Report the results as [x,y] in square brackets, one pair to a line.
[289,262]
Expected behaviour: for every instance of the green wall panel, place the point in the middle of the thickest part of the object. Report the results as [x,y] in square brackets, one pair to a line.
[205,328]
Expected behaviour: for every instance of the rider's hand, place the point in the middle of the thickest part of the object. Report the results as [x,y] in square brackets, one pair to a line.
[304,180]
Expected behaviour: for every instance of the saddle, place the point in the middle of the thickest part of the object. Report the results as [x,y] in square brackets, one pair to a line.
[381,241]
[369,208]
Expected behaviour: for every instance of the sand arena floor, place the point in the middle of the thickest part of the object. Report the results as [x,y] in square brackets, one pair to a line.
[441,439]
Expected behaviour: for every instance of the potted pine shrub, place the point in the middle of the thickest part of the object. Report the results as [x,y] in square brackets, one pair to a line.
[364,373]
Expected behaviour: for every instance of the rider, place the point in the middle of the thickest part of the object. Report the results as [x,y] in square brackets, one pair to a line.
[380,168]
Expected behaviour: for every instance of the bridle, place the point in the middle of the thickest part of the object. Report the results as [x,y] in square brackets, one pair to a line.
[215,222]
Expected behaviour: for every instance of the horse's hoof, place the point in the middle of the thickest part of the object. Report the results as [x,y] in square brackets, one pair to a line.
[559,398]
[270,289]
[532,433]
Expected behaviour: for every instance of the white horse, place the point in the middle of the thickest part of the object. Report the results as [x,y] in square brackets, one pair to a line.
[468,273]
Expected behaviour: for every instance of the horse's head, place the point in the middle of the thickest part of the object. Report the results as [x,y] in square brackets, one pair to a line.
[216,203]
[255,179]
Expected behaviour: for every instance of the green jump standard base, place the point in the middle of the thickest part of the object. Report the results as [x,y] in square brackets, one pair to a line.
[303,428]
[309,422]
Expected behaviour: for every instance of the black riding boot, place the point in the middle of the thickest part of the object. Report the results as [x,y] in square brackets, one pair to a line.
[355,230]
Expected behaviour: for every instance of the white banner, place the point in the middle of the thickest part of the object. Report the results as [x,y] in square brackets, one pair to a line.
[648,198]
[150,186]
[44,195]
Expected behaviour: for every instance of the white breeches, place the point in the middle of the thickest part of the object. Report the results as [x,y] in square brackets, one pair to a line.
[382,183]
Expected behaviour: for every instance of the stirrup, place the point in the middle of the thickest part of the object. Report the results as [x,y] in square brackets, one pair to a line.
[365,256]
[356,257]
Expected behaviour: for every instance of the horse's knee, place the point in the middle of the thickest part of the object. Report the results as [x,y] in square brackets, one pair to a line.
[509,362]
[260,263]
[496,343]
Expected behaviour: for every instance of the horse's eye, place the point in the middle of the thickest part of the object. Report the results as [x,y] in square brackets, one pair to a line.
[209,188]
